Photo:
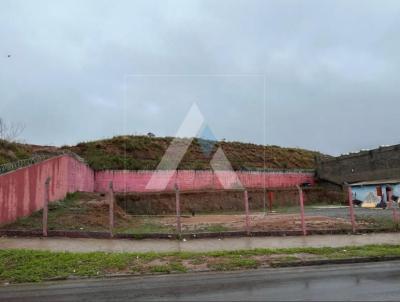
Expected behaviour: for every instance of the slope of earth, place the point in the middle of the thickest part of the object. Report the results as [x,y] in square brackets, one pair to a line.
[85,212]
[145,153]
[12,151]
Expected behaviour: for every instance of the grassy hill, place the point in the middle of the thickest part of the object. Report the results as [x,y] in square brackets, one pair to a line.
[143,152]
[11,151]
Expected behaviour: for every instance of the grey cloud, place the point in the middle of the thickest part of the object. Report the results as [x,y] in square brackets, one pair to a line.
[331,69]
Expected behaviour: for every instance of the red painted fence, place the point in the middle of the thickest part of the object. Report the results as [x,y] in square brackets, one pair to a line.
[22,191]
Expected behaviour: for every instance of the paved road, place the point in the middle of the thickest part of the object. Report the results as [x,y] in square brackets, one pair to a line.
[376,281]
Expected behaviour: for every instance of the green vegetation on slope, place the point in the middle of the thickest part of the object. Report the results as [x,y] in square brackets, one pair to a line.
[12,151]
[34,266]
[145,153]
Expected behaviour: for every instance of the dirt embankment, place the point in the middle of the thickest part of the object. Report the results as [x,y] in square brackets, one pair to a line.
[145,153]
[218,201]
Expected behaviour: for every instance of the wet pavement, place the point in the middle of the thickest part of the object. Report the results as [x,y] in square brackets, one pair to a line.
[195,245]
[350,282]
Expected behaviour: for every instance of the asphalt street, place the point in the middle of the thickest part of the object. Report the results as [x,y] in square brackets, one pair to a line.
[363,282]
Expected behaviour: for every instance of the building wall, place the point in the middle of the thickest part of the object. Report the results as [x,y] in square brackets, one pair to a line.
[382,163]
[361,192]
[22,191]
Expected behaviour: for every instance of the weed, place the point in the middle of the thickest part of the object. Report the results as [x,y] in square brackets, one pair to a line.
[217,228]
[168,268]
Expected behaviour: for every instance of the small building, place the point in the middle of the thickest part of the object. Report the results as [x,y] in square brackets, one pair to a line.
[371,193]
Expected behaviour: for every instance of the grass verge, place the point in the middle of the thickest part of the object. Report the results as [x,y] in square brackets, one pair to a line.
[18,266]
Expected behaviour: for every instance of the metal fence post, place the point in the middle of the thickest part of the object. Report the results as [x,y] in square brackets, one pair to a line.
[213,180]
[178,210]
[270,199]
[391,205]
[46,206]
[351,209]
[303,221]
[246,208]
[111,209]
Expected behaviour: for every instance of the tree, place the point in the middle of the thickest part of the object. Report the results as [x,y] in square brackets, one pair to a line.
[10,131]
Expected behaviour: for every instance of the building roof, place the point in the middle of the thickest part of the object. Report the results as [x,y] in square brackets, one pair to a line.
[376,182]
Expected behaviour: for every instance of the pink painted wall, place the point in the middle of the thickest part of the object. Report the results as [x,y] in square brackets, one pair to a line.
[137,181]
[22,191]
[80,176]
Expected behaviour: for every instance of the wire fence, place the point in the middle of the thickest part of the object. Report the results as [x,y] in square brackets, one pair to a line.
[23,163]
[36,158]
[293,211]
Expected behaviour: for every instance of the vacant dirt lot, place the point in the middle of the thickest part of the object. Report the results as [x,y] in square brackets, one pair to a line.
[89,212]
[258,222]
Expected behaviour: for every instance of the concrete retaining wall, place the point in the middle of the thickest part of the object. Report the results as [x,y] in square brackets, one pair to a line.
[137,181]
[22,191]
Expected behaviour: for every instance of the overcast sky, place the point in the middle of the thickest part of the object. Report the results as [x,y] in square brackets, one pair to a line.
[322,75]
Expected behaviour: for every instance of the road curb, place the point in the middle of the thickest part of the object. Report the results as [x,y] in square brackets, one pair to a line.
[271,265]
[334,261]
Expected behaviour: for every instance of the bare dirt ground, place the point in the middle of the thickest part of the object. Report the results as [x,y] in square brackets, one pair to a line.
[258,221]
[89,212]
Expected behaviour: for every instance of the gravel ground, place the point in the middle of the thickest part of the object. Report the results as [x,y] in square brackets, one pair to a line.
[343,212]
[377,217]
